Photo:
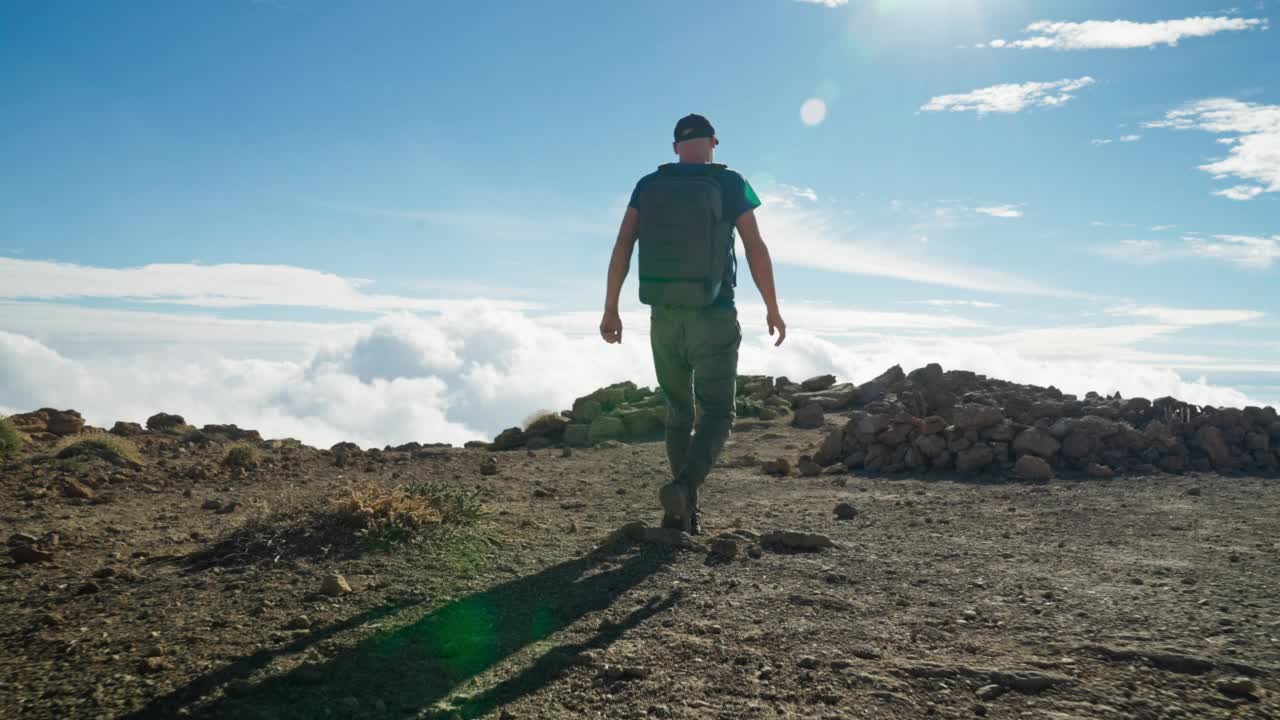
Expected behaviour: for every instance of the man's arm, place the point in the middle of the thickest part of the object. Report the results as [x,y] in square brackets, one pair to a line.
[619,264]
[761,271]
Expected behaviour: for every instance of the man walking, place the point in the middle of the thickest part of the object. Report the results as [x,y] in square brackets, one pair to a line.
[684,217]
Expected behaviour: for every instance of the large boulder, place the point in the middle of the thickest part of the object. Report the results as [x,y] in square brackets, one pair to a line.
[972,416]
[820,382]
[832,449]
[509,439]
[877,388]
[931,445]
[126,429]
[48,421]
[974,459]
[1030,467]
[606,427]
[643,422]
[1036,441]
[808,417]
[577,435]
[161,422]
[832,398]
[1211,440]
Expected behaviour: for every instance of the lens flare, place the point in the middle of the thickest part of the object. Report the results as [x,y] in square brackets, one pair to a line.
[813,111]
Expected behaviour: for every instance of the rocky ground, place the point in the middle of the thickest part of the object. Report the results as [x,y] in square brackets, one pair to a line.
[181,587]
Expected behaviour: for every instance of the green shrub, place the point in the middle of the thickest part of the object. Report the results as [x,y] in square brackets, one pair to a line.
[242,456]
[10,440]
[114,449]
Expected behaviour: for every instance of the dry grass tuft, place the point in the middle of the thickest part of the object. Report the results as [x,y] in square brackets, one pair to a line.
[537,415]
[242,455]
[104,446]
[396,514]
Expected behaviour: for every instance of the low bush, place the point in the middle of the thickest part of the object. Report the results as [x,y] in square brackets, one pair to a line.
[242,456]
[114,449]
[10,440]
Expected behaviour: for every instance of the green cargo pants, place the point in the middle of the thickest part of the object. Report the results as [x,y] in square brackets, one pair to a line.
[695,354]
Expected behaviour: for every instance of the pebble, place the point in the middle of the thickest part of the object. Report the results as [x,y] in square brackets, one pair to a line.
[335,585]
[990,692]
[846,511]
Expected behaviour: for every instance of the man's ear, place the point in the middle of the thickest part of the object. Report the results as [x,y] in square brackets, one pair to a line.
[674,149]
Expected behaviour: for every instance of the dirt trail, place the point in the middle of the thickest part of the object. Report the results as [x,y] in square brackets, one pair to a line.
[1151,597]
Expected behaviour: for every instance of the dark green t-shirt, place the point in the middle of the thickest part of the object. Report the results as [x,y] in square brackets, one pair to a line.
[739,197]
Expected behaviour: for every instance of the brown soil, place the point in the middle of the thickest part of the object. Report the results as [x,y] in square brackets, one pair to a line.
[1129,598]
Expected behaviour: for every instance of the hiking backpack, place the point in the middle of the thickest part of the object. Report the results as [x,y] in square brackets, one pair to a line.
[686,243]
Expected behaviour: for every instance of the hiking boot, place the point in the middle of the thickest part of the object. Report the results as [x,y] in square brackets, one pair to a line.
[675,505]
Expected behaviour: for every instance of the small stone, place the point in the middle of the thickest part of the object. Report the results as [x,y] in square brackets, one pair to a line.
[845,511]
[1239,686]
[73,488]
[211,504]
[1194,492]
[1103,472]
[19,539]
[88,588]
[659,711]
[779,466]
[335,585]
[301,622]
[24,554]
[724,548]
[796,540]
[625,672]
[155,664]
[489,466]
[867,652]
[808,468]
[566,451]
[807,662]
[106,572]
[990,692]
[52,619]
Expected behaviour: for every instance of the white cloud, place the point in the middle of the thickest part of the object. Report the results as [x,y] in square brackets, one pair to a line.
[1254,139]
[981,305]
[215,286]
[1009,97]
[1254,253]
[825,3]
[1000,211]
[1251,253]
[467,373]
[813,235]
[1124,34]
[1186,317]
[1122,138]
[1141,252]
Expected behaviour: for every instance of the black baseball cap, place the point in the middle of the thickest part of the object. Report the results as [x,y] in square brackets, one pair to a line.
[693,126]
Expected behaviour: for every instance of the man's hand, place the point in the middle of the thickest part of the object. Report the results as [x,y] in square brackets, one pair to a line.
[611,327]
[774,318]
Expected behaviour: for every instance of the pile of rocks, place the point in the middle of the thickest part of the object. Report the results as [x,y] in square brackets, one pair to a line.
[47,424]
[934,420]
[625,412]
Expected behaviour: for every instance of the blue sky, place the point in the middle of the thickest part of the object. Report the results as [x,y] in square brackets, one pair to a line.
[284,175]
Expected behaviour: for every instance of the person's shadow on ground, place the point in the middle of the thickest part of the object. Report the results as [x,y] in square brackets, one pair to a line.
[417,665]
